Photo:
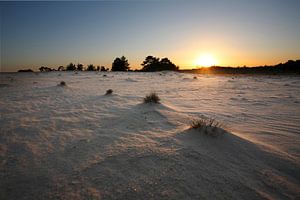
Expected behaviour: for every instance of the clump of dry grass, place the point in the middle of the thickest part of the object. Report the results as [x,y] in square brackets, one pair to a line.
[152,98]
[62,83]
[208,126]
[109,91]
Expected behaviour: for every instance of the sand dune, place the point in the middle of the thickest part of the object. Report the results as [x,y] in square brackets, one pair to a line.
[75,142]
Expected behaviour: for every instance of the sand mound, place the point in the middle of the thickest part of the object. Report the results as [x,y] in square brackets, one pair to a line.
[234,163]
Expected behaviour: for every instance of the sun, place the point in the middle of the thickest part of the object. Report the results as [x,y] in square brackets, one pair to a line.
[205,60]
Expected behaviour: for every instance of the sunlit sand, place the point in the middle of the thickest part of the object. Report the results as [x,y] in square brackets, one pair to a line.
[67,135]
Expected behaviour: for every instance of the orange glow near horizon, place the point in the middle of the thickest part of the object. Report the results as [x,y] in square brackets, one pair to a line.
[205,60]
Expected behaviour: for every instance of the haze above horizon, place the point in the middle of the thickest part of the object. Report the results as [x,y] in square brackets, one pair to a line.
[233,32]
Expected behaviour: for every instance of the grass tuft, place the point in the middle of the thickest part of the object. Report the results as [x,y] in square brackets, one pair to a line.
[62,83]
[208,126]
[152,98]
[109,91]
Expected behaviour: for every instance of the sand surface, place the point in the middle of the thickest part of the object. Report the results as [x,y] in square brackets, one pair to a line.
[74,142]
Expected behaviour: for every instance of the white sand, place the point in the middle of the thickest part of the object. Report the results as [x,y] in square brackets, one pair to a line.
[74,142]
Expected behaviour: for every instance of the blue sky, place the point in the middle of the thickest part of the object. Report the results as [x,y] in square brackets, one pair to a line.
[235,32]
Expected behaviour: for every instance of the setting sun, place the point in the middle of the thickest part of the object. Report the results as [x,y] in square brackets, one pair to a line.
[205,60]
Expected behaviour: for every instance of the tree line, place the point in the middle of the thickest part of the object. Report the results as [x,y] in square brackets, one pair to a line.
[73,67]
[289,67]
[150,64]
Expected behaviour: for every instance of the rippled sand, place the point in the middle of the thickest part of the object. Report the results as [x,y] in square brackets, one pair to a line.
[75,142]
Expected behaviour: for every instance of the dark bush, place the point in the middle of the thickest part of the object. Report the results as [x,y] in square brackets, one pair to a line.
[61,68]
[71,67]
[109,91]
[46,69]
[62,83]
[91,67]
[152,98]
[79,67]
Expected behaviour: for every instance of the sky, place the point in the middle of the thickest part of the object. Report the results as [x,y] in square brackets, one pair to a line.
[233,32]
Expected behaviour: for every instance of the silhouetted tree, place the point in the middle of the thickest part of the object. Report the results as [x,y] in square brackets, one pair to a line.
[166,64]
[61,68]
[45,69]
[71,67]
[79,67]
[91,67]
[151,64]
[98,68]
[42,68]
[120,64]
[103,69]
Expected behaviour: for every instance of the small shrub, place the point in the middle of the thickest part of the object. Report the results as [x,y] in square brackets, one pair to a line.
[209,126]
[109,91]
[62,83]
[152,98]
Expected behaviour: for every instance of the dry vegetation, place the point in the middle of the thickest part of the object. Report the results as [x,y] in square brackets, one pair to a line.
[62,83]
[109,91]
[208,126]
[152,98]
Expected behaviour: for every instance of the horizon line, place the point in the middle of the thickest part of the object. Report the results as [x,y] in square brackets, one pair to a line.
[180,69]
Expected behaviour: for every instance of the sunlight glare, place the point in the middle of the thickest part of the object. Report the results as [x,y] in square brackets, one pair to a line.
[205,60]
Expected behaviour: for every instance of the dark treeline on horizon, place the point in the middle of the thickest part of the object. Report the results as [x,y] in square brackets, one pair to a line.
[73,67]
[290,67]
[152,64]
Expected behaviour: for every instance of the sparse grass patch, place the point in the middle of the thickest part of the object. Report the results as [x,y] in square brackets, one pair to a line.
[62,83]
[208,126]
[109,91]
[152,98]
